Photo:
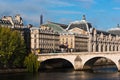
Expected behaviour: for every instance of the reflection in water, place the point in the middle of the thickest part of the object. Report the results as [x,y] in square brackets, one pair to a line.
[110,68]
[62,75]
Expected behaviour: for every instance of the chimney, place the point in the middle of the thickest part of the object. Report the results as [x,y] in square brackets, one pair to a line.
[41,19]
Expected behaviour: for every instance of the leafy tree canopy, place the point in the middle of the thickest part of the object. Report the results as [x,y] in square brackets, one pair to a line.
[12,48]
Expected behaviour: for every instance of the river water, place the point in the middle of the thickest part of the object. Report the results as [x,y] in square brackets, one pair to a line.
[63,75]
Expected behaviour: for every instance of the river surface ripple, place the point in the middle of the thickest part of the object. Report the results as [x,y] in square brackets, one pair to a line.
[63,75]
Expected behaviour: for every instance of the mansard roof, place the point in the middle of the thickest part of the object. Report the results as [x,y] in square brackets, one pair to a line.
[64,26]
[83,24]
[55,27]
[104,32]
[5,22]
[17,20]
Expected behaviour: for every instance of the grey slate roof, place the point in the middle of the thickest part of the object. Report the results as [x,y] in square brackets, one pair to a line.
[55,27]
[5,22]
[64,26]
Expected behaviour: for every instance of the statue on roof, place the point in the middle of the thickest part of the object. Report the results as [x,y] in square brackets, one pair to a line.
[118,25]
[83,17]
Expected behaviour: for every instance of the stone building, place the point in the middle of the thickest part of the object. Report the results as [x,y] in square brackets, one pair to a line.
[74,42]
[78,36]
[46,38]
[12,22]
[103,41]
[91,39]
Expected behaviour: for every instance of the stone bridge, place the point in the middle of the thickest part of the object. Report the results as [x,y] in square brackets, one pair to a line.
[81,59]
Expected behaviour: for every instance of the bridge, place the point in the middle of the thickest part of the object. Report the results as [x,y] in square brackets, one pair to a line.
[82,60]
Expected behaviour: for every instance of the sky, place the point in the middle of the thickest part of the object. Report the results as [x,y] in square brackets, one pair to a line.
[102,14]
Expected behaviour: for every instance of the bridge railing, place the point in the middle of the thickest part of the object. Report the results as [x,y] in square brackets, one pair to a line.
[110,52]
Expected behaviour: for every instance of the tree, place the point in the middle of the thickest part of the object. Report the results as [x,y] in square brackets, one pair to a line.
[12,48]
[31,63]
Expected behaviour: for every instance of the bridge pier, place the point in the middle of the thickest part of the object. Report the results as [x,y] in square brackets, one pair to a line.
[78,63]
[78,66]
[118,65]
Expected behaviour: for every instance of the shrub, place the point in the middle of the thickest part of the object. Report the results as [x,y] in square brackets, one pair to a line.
[31,63]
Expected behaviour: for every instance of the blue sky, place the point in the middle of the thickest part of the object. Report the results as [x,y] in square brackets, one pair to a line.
[103,14]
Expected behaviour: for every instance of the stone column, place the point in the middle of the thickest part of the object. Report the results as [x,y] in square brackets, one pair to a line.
[115,48]
[94,47]
[103,47]
[99,47]
[112,47]
[90,43]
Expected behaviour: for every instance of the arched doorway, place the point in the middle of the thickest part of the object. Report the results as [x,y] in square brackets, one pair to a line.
[100,64]
[56,63]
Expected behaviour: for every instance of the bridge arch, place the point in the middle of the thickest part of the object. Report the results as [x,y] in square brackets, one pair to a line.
[55,63]
[91,62]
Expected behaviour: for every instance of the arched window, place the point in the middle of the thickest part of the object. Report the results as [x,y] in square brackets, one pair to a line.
[101,48]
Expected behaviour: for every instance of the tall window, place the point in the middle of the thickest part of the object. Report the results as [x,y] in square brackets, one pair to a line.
[34,40]
[35,36]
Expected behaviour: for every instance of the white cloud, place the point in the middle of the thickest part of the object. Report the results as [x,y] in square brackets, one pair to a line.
[116,8]
[86,0]
[49,3]
[86,3]
[59,3]
[31,10]
[65,12]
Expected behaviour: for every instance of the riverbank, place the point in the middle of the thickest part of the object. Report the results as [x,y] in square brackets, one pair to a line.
[12,70]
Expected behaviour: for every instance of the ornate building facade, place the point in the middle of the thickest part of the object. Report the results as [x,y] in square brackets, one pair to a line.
[93,40]
[103,41]
[45,39]
[12,22]
[78,36]
[74,42]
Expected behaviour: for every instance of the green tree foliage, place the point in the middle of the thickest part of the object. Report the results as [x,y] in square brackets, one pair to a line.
[12,48]
[31,63]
